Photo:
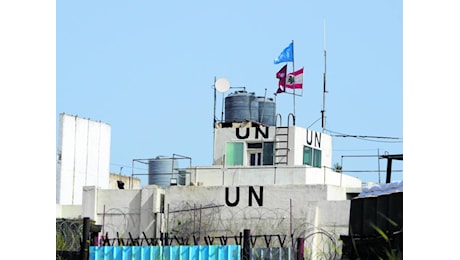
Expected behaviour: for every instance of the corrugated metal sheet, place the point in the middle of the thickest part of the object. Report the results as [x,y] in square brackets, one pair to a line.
[230,252]
[273,253]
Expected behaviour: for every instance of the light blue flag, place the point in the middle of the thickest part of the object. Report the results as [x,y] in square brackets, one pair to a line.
[287,55]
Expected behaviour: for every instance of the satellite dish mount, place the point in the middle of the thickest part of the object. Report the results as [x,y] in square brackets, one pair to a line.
[222,85]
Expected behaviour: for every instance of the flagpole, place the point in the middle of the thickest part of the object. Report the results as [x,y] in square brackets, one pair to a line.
[274,97]
[293,69]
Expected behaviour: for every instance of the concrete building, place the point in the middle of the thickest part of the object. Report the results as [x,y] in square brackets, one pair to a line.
[271,178]
[83,157]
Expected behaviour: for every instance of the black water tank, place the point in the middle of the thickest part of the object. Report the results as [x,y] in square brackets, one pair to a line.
[241,106]
[267,111]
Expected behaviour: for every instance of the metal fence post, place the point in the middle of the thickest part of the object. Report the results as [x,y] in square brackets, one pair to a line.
[300,248]
[246,244]
[84,249]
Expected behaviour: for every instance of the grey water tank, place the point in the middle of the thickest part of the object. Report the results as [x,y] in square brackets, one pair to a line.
[241,106]
[267,111]
[161,170]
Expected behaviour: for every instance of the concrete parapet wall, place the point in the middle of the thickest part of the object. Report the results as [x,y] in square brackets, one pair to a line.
[134,211]
[262,209]
[267,175]
[219,210]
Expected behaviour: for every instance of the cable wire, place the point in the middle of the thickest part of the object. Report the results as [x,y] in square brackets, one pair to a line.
[366,137]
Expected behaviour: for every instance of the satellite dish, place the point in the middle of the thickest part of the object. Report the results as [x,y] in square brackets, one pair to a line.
[222,85]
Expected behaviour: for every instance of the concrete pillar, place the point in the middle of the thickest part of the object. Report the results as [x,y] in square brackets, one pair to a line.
[150,209]
[89,202]
[146,217]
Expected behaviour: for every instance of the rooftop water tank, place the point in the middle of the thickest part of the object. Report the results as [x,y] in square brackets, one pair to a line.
[267,111]
[161,170]
[241,106]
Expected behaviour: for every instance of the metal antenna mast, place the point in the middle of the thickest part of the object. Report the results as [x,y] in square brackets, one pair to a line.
[323,112]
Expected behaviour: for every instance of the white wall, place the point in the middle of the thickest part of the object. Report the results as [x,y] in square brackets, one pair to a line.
[123,211]
[298,138]
[129,181]
[268,175]
[219,210]
[301,137]
[229,210]
[83,157]
[68,211]
[224,135]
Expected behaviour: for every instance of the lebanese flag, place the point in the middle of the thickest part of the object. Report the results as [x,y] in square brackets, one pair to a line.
[295,79]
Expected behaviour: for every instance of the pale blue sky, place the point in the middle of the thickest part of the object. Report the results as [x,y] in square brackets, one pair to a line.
[147,69]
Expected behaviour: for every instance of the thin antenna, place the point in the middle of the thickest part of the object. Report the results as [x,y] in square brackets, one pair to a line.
[214,122]
[323,112]
[263,109]
[214,87]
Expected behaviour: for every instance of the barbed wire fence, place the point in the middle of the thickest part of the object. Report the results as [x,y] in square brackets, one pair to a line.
[68,238]
[270,227]
[68,234]
[192,223]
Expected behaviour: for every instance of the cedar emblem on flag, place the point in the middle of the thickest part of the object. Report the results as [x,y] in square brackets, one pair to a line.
[295,79]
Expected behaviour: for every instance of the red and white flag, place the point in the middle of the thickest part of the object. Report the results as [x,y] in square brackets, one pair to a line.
[281,75]
[294,79]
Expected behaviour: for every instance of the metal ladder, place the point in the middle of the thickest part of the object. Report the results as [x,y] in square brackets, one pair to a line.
[282,141]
